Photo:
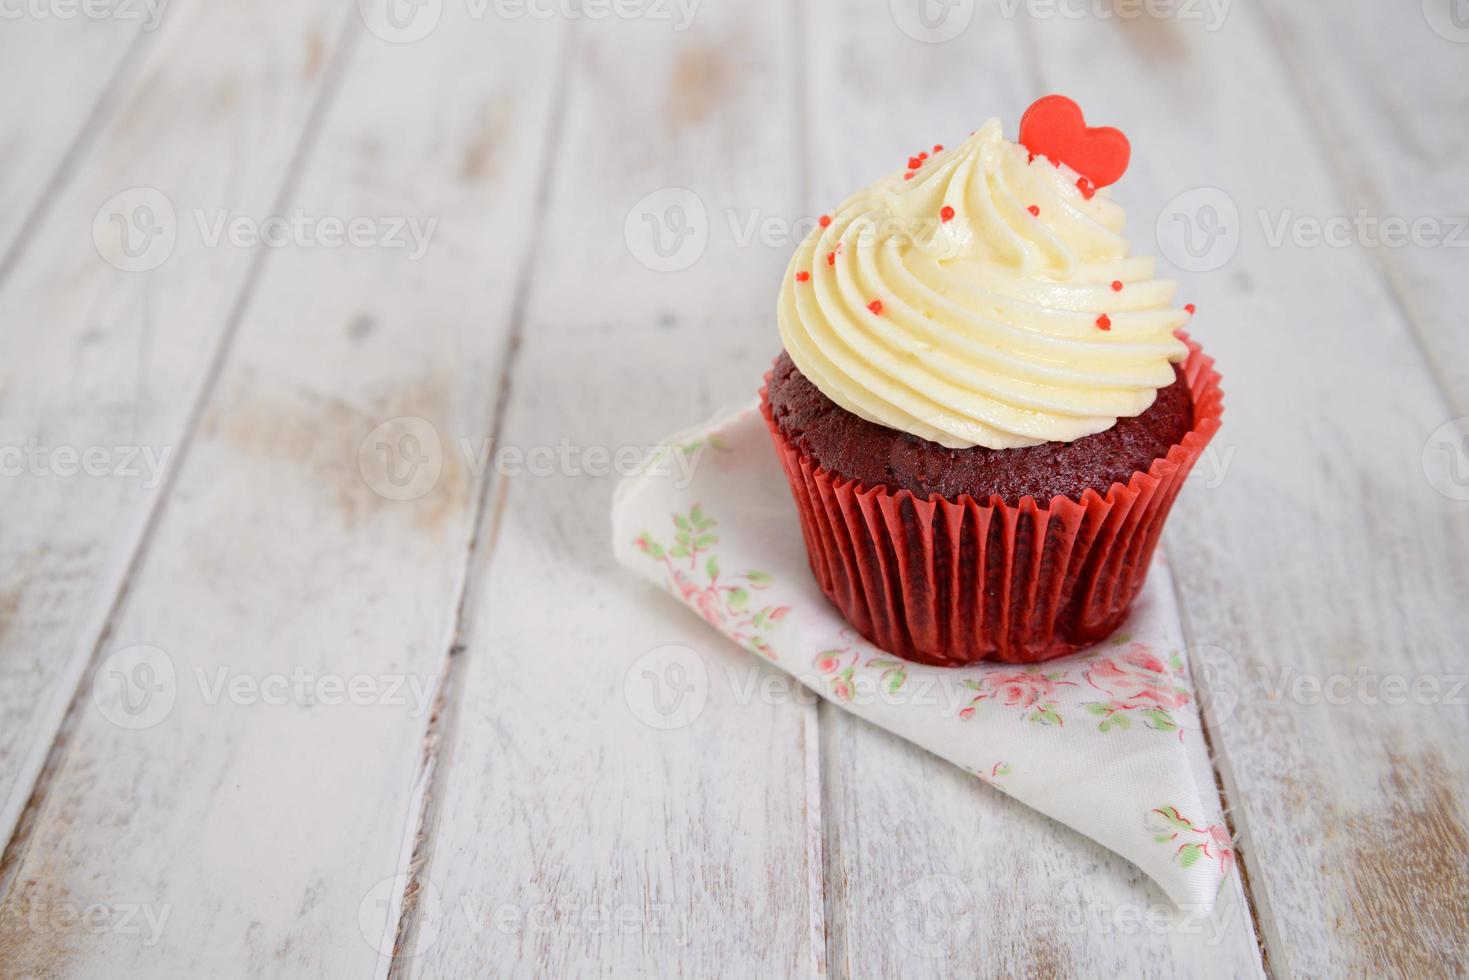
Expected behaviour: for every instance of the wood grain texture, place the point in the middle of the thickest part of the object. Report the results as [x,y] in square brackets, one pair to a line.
[573,837]
[95,359]
[60,77]
[301,614]
[504,803]
[930,872]
[1322,561]
[1387,96]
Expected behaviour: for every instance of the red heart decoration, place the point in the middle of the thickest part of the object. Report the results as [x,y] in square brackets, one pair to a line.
[1053,127]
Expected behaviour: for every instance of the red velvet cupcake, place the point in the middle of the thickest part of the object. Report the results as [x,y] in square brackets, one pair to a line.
[985,407]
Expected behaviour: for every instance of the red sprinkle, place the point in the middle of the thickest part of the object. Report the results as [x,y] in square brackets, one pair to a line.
[908,175]
[831,258]
[938,148]
[1192,309]
[914,163]
[1104,322]
[1086,188]
[1034,210]
[875,306]
[1116,285]
[802,276]
[923,154]
[946,213]
[825,220]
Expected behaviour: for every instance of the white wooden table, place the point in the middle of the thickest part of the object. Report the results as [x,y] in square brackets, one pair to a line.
[297,679]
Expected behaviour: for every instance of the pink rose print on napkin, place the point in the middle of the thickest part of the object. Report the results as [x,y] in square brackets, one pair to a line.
[1024,690]
[1213,841]
[1138,682]
[1033,691]
[842,663]
[705,600]
[728,546]
[694,575]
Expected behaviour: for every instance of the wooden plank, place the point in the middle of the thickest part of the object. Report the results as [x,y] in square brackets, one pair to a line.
[575,835]
[1385,89]
[929,872]
[266,818]
[98,360]
[1323,559]
[59,76]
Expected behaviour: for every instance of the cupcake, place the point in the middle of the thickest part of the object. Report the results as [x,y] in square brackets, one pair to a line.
[985,406]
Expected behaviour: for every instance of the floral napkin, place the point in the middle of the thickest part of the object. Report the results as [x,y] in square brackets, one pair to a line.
[1107,741]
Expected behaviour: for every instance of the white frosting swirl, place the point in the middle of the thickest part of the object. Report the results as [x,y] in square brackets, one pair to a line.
[989,330]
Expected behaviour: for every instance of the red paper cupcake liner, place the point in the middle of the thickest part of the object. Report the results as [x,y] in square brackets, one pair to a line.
[952,582]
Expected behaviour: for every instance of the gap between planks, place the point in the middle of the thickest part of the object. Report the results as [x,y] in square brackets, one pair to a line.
[1222,786]
[817,894]
[86,136]
[489,511]
[15,848]
[1350,193]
